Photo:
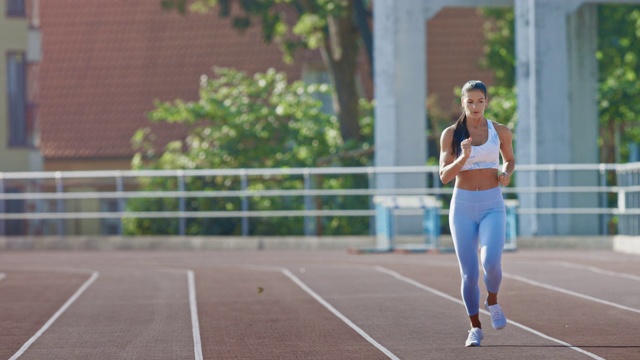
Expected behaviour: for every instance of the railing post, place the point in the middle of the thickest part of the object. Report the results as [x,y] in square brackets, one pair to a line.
[628,201]
[121,203]
[244,184]
[437,184]
[2,206]
[554,197]
[622,202]
[182,206]
[603,200]
[431,221]
[371,176]
[511,207]
[60,202]
[310,228]
[384,222]
[634,204]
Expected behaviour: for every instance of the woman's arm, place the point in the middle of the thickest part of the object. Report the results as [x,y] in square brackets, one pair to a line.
[506,149]
[449,165]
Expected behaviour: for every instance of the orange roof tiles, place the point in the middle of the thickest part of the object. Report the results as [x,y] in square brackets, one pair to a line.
[105,62]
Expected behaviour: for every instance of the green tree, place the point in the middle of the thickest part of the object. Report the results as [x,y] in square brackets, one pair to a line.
[243,121]
[619,88]
[327,25]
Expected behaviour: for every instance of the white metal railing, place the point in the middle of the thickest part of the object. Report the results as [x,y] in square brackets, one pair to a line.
[33,197]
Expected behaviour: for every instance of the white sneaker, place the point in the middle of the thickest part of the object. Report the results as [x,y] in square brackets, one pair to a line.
[474,338]
[498,320]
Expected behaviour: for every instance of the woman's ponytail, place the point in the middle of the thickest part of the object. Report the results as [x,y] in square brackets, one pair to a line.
[460,133]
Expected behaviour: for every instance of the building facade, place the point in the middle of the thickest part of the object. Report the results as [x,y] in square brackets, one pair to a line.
[19,65]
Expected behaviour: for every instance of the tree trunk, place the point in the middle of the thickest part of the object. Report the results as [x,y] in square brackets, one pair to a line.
[609,142]
[339,52]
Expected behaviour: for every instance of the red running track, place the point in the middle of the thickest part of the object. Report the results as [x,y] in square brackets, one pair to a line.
[310,305]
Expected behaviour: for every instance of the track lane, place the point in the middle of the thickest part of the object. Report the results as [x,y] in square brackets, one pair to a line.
[611,288]
[261,314]
[425,325]
[601,329]
[28,299]
[128,313]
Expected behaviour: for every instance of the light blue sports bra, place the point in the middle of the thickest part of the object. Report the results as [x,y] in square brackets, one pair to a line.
[485,156]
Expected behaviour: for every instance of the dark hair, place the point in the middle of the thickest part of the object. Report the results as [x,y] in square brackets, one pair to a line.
[460,131]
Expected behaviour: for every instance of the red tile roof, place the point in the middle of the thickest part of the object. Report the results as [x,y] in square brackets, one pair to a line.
[105,62]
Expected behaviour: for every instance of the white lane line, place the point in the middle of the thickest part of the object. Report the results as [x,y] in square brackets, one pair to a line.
[195,324]
[451,298]
[2,276]
[600,271]
[337,313]
[569,292]
[55,316]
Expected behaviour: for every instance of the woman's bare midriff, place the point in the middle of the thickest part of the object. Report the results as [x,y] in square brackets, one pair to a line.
[480,179]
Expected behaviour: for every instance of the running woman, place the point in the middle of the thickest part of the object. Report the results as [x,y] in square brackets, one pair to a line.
[469,154]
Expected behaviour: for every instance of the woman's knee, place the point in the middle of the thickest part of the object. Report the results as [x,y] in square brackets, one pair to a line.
[492,268]
[470,277]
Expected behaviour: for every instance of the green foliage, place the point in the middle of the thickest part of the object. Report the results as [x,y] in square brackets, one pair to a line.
[499,50]
[618,67]
[502,105]
[259,121]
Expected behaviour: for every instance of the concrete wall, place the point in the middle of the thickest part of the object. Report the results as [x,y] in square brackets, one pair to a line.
[627,244]
[557,108]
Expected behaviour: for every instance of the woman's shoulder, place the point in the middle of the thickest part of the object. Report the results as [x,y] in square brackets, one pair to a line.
[450,128]
[448,131]
[503,131]
[500,128]
[447,136]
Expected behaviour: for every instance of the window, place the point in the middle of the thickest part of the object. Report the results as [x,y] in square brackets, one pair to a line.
[16,8]
[17,99]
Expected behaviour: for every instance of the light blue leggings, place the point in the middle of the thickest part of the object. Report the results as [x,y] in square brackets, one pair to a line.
[478,216]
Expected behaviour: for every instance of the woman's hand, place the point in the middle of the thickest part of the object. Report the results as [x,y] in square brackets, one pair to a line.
[504,178]
[465,145]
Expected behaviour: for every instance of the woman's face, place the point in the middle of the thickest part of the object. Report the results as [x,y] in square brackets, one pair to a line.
[474,104]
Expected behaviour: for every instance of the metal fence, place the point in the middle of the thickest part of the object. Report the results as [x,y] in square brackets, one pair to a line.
[100,202]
